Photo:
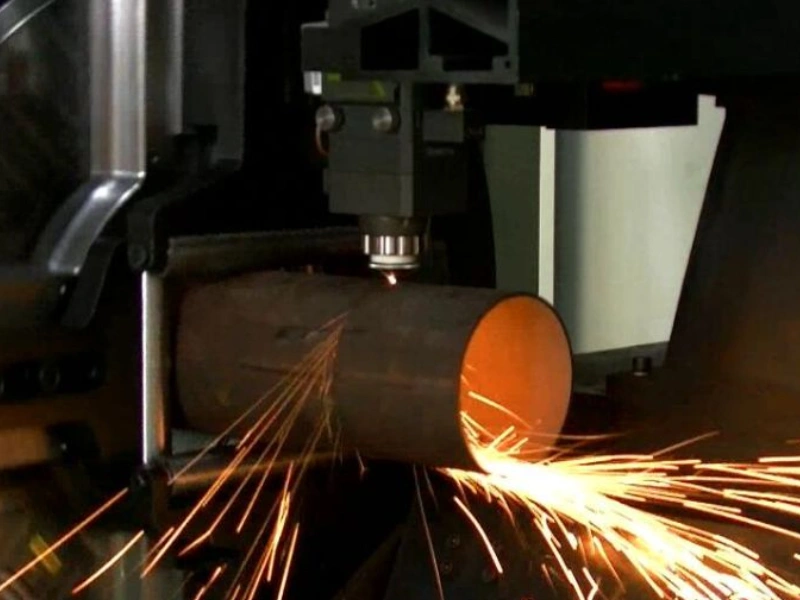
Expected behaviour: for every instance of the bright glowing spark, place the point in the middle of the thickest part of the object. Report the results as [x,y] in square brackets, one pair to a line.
[257,493]
[500,408]
[287,568]
[270,538]
[255,581]
[64,539]
[275,415]
[312,373]
[779,460]
[485,538]
[108,564]
[607,498]
[277,536]
[299,369]
[211,581]
[391,278]
[428,539]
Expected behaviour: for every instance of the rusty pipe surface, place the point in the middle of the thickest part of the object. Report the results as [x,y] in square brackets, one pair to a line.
[410,359]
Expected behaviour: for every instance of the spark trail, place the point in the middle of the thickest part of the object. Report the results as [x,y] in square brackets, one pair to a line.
[599,505]
[602,507]
[263,444]
[273,418]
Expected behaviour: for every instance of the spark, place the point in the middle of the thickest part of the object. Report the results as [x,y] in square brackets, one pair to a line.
[108,564]
[271,536]
[256,579]
[481,532]
[362,467]
[64,539]
[428,539]
[600,503]
[391,278]
[583,507]
[333,325]
[500,408]
[778,460]
[257,493]
[288,566]
[311,373]
[277,535]
[212,580]
[273,417]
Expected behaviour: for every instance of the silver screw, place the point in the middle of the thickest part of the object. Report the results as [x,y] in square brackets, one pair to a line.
[385,120]
[328,118]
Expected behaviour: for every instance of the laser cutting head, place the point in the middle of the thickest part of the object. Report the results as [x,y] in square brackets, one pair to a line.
[392,253]
[396,158]
[393,243]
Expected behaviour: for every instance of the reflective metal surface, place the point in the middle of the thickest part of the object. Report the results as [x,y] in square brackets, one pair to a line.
[118,65]
[165,58]
[44,116]
[15,14]
[73,230]
[312,83]
[154,368]
[393,251]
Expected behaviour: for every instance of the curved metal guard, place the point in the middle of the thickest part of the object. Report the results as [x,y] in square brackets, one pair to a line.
[118,71]
[15,14]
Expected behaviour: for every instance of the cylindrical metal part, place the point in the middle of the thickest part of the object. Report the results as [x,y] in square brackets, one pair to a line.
[328,118]
[393,243]
[155,432]
[410,360]
[387,252]
[385,120]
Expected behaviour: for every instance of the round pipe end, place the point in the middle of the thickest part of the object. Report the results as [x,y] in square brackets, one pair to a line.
[516,373]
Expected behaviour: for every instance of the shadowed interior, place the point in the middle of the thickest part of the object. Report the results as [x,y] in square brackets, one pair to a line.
[518,357]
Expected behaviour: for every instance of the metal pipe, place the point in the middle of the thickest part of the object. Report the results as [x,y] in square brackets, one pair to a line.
[155,433]
[406,361]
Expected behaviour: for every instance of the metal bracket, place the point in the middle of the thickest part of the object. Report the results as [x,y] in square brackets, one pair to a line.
[65,244]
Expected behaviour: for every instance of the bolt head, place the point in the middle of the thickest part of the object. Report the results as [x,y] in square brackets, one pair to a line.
[328,118]
[385,120]
[446,568]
